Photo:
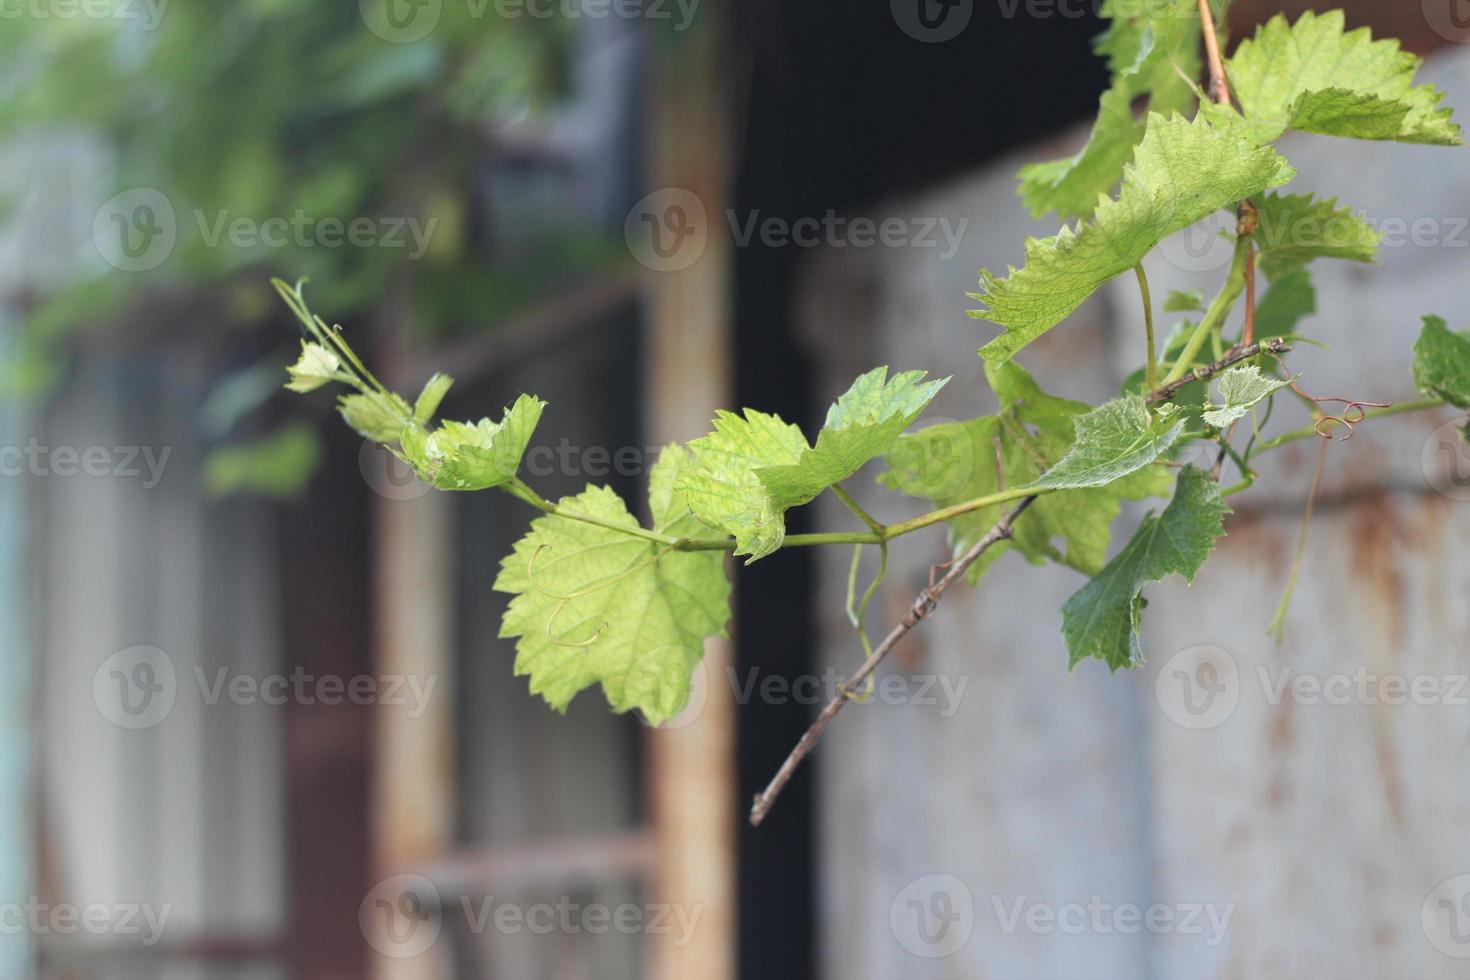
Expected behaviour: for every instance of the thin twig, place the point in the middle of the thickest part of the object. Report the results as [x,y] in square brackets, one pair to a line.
[1219,84]
[1248,219]
[925,604]
[928,598]
[1237,354]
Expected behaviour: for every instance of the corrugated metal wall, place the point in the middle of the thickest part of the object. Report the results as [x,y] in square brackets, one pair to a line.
[1011,824]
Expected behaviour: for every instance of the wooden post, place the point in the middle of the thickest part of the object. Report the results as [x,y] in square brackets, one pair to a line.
[414,785]
[688,350]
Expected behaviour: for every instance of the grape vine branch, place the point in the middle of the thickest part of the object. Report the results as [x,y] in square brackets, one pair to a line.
[602,599]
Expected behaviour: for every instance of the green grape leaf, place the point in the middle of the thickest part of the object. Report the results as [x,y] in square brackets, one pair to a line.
[1239,389]
[1182,172]
[752,469]
[1101,619]
[1289,298]
[597,606]
[861,425]
[1151,53]
[428,401]
[377,416]
[1182,302]
[954,462]
[1113,440]
[722,487]
[473,456]
[1317,77]
[315,367]
[1294,229]
[1442,362]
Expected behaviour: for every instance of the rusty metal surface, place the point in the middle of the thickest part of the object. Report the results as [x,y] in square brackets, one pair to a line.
[1007,830]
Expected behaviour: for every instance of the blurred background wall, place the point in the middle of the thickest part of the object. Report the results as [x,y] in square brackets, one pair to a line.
[1315,830]
[161,162]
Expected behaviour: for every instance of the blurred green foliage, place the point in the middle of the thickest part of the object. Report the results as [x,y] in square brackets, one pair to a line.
[283,109]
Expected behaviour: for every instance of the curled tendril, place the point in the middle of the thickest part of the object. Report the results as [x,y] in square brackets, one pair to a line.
[571,643]
[1352,413]
[566,598]
[856,613]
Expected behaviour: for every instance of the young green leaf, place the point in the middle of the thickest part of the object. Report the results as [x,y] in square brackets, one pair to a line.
[1113,440]
[722,487]
[752,468]
[315,367]
[594,605]
[465,456]
[955,462]
[376,416]
[1101,619]
[1442,363]
[1151,52]
[861,425]
[1289,298]
[1294,229]
[1317,77]
[428,401]
[1182,172]
[1239,389]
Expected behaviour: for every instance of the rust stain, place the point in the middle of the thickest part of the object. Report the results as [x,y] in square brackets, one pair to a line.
[1252,536]
[1376,536]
